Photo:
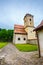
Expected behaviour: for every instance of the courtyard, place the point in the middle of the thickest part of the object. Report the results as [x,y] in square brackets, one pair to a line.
[10,55]
[22,47]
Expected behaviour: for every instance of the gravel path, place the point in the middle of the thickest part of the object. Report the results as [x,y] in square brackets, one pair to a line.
[10,55]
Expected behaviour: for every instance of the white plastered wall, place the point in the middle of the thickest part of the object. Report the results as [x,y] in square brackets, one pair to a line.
[21,41]
[40,35]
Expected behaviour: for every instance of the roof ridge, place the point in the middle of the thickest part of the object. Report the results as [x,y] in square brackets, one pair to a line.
[18,25]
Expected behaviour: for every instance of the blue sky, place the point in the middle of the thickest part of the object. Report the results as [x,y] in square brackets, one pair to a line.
[13,11]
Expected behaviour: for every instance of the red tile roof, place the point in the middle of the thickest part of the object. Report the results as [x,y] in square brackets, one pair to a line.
[18,26]
[39,26]
[19,29]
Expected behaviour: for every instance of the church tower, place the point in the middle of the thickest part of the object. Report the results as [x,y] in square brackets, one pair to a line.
[29,27]
[28,20]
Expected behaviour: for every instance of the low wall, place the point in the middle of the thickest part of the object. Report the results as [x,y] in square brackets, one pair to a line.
[32,41]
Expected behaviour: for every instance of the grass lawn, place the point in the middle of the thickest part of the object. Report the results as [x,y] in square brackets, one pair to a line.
[26,47]
[2,44]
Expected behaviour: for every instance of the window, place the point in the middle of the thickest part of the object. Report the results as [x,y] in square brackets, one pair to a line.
[24,38]
[30,22]
[18,38]
[30,19]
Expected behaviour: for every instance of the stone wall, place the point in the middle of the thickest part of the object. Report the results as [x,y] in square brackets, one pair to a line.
[32,41]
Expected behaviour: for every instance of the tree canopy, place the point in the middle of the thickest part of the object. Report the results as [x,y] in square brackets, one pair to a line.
[6,35]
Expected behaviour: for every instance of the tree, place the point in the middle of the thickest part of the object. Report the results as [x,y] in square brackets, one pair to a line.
[6,35]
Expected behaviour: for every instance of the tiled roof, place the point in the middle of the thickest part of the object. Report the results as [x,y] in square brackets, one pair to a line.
[19,29]
[18,26]
[39,26]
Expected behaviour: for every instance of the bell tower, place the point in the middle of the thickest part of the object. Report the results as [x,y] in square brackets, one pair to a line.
[29,26]
[28,20]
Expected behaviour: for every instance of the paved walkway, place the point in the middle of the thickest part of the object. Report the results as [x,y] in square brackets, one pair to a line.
[12,56]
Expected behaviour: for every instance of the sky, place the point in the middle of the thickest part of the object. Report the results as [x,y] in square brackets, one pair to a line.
[13,11]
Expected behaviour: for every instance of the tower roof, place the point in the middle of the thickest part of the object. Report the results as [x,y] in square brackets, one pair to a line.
[39,26]
[27,15]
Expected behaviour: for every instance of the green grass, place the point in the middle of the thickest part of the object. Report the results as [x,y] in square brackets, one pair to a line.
[27,47]
[2,44]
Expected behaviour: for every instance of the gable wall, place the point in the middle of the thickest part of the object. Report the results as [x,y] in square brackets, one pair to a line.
[16,41]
